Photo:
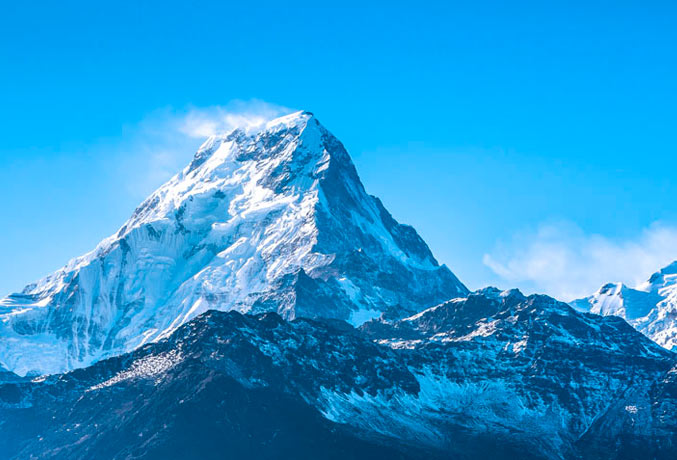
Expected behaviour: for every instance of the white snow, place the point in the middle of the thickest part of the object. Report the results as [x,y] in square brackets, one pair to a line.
[651,307]
[420,416]
[146,367]
[222,234]
[519,346]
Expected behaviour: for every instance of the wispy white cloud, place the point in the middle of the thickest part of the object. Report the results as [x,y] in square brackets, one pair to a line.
[161,144]
[561,260]
[204,122]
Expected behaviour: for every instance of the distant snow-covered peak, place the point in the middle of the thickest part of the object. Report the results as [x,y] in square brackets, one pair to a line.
[651,307]
[663,279]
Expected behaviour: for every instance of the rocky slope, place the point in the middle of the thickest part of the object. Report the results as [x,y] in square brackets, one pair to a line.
[494,374]
[651,307]
[269,220]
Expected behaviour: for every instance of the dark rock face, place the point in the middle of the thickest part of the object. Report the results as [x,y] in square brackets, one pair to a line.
[224,386]
[559,371]
[493,375]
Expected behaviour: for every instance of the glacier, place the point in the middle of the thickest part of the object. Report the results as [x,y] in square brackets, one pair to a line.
[267,219]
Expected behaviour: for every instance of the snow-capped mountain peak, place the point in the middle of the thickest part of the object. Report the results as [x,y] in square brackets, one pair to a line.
[662,281]
[272,218]
[651,307]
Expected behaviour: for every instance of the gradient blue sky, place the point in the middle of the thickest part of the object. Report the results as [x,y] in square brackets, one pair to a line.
[531,144]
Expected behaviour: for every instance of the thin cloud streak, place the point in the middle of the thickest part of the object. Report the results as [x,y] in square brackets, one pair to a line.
[161,144]
[561,260]
[205,122]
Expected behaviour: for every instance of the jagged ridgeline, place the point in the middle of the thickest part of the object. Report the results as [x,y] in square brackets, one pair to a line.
[269,220]
[650,307]
[493,375]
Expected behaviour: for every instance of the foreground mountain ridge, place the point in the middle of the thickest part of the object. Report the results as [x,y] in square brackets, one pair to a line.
[273,219]
[651,307]
[491,375]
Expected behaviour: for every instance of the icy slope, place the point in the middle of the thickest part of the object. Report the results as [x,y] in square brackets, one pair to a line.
[651,307]
[271,220]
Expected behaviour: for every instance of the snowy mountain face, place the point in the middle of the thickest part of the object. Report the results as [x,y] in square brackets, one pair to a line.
[269,220]
[651,307]
[491,375]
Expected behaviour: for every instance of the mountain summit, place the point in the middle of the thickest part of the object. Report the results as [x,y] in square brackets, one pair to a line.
[274,219]
[651,307]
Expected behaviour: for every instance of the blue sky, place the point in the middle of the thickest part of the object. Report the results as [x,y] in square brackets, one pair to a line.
[531,144]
